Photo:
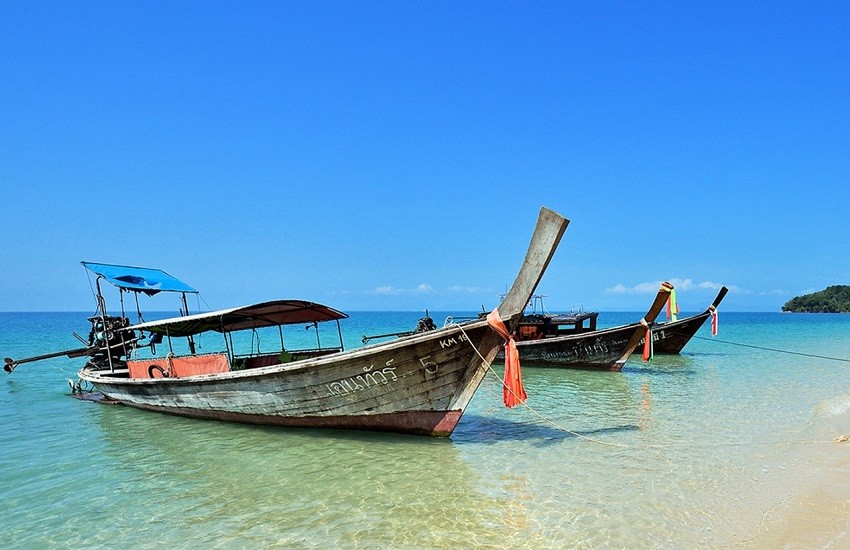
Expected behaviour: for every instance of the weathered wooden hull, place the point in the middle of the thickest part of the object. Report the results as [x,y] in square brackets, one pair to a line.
[605,349]
[419,385]
[669,338]
[432,423]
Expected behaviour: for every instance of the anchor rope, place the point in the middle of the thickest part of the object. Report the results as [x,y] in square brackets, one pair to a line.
[815,356]
[489,368]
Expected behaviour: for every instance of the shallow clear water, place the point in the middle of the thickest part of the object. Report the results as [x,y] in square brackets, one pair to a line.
[685,451]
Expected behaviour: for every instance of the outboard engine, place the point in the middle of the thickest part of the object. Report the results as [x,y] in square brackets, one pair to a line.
[425,324]
[110,336]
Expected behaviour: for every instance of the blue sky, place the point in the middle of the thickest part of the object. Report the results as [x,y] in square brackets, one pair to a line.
[394,155]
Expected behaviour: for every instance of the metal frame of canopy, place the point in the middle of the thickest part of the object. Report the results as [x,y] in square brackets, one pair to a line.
[251,317]
[112,337]
[136,280]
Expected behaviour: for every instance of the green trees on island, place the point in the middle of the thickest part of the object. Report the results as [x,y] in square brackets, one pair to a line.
[833,299]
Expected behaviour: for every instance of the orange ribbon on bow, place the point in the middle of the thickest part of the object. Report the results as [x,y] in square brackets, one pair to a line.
[647,342]
[512,392]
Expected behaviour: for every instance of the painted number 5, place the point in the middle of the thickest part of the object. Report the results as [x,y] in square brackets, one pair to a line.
[430,366]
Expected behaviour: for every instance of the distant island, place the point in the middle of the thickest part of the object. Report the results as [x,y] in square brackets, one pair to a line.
[833,299]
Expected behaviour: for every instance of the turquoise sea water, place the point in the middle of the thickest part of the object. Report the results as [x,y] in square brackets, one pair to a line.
[686,451]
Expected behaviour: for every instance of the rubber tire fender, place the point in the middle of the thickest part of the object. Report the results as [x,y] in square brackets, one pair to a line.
[155,367]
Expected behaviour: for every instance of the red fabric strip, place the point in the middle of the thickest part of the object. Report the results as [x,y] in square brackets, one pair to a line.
[513,393]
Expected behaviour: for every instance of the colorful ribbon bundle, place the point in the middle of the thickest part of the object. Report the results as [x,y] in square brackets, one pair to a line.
[672,305]
[672,311]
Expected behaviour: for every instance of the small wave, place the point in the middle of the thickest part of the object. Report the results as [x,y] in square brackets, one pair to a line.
[833,407]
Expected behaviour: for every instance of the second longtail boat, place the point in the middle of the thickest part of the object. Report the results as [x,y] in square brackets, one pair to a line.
[540,342]
[671,336]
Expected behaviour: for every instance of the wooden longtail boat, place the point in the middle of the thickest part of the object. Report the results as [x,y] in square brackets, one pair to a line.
[671,336]
[419,384]
[536,325]
[605,349]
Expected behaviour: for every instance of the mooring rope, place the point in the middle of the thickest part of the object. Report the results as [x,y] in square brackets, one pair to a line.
[828,358]
[489,368]
[488,365]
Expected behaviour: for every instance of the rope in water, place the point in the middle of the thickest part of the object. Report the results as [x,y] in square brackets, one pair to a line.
[488,365]
[828,358]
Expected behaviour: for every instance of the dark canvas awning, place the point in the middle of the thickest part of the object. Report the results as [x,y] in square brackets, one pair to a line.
[265,314]
[139,279]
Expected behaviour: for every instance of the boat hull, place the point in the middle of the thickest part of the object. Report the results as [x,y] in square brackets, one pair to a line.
[431,423]
[418,385]
[671,337]
[606,349]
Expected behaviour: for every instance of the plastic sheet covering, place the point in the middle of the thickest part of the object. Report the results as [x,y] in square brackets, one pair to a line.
[139,279]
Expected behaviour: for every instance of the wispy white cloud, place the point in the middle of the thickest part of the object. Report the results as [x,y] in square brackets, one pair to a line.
[387,290]
[469,289]
[390,290]
[773,293]
[680,285]
[618,289]
[425,288]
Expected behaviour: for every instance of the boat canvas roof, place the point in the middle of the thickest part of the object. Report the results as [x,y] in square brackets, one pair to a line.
[264,314]
[138,279]
[573,317]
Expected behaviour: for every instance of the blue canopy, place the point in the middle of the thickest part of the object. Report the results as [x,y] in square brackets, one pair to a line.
[138,279]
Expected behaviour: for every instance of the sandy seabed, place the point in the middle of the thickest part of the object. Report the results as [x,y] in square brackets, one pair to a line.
[816,512]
